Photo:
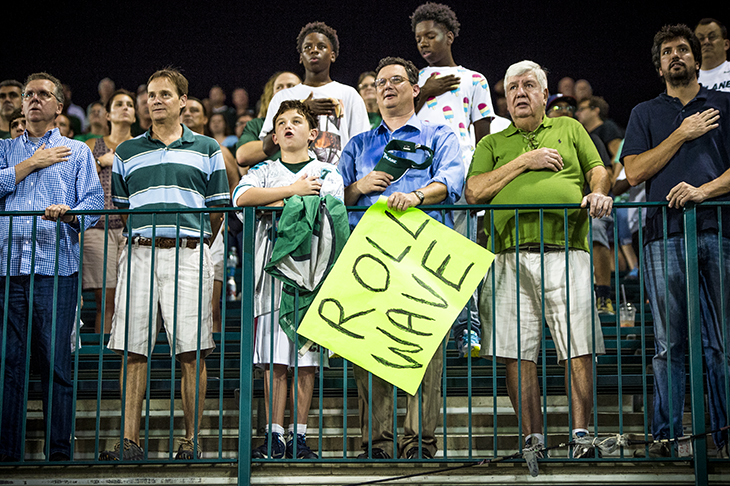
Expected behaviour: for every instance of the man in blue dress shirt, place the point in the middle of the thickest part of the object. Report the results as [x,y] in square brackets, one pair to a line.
[41,170]
[413,163]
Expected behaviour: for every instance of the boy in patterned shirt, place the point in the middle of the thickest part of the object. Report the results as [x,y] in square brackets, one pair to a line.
[458,98]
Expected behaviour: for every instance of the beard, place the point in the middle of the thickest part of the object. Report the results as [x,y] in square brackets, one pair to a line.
[681,78]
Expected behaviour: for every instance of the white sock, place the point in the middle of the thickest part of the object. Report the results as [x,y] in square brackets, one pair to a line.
[301,429]
[278,429]
[576,431]
[540,438]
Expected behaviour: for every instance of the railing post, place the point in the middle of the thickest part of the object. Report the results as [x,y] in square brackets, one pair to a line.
[695,345]
[245,425]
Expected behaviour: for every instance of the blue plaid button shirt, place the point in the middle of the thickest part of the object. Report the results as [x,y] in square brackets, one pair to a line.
[74,183]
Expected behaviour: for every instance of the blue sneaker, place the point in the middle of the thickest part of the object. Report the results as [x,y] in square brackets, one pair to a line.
[303,451]
[278,448]
[633,274]
[468,343]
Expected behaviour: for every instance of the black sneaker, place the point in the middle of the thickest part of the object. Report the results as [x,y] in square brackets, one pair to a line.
[186,450]
[278,449]
[303,451]
[131,452]
[412,453]
[378,453]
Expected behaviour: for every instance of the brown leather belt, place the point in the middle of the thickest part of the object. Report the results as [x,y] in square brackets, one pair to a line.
[191,243]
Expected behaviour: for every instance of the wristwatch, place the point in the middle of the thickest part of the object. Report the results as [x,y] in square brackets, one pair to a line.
[420,196]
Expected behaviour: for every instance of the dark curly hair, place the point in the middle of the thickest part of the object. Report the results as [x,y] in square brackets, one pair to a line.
[410,68]
[300,108]
[439,13]
[669,33]
[320,28]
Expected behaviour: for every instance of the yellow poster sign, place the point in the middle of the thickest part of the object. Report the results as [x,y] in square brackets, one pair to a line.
[394,293]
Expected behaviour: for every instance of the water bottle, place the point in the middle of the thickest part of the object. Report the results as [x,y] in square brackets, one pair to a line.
[231,264]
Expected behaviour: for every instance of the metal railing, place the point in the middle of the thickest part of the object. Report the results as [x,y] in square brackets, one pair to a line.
[620,373]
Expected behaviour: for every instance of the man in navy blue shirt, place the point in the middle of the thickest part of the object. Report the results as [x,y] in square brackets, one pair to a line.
[678,144]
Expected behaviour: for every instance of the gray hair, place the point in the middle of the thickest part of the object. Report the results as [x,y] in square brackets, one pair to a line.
[522,67]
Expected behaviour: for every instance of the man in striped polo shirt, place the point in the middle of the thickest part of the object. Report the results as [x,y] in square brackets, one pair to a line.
[168,167]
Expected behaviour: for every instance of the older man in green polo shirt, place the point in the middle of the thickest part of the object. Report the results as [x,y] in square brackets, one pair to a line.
[540,160]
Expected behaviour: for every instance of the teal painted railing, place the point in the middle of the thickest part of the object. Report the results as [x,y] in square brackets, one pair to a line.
[619,373]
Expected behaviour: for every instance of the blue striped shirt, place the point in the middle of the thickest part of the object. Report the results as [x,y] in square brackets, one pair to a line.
[73,182]
[189,173]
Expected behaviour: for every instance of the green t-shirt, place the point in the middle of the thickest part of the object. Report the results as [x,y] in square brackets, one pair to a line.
[571,140]
[251,132]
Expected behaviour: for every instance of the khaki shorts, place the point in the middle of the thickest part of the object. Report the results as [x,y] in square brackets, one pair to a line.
[193,301]
[93,271]
[503,319]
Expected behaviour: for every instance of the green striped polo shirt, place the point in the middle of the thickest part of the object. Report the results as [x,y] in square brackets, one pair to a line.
[149,175]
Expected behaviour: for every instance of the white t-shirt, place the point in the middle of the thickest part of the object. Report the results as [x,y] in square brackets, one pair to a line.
[717,79]
[458,108]
[334,133]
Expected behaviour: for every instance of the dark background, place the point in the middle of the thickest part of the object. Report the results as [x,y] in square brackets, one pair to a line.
[242,43]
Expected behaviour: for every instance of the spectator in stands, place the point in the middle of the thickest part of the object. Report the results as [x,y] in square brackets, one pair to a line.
[73,110]
[221,131]
[58,177]
[144,121]
[98,125]
[566,86]
[459,98]
[268,184]
[241,122]
[64,126]
[120,116]
[239,98]
[106,88]
[366,88]
[17,123]
[217,98]
[340,110]
[250,149]
[582,90]
[593,114]
[10,90]
[523,165]
[715,68]
[500,102]
[194,117]
[171,164]
[677,144]
[397,88]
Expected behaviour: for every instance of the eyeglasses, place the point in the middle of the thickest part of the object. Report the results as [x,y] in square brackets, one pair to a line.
[563,108]
[42,95]
[394,80]
[367,85]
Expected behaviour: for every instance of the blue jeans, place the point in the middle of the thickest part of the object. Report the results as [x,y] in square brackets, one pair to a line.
[715,355]
[15,346]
